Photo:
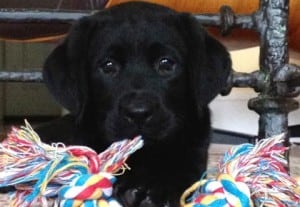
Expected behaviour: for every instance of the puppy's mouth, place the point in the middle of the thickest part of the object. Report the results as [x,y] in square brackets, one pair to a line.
[150,128]
[153,129]
[139,123]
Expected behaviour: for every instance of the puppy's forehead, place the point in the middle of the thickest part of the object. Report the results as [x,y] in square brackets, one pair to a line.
[133,27]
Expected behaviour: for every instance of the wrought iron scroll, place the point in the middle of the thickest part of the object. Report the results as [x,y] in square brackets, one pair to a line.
[276,81]
[274,102]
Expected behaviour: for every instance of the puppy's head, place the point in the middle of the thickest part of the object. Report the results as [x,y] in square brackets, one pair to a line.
[137,68]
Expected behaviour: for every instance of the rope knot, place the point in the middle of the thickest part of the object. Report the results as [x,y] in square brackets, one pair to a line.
[224,190]
[88,190]
[248,175]
[72,175]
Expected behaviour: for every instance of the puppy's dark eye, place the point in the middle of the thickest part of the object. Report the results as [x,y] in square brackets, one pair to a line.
[166,66]
[109,67]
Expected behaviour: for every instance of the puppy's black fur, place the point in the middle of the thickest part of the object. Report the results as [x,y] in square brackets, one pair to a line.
[140,69]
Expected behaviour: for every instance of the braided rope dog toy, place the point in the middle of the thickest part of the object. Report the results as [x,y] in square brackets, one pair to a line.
[248,175]
[73,176]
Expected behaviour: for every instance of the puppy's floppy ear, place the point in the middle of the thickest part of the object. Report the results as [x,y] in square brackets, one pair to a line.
[209,62]
[64,70]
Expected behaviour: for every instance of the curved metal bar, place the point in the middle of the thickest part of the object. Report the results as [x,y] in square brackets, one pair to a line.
[34,76]
[40,16]
[226,18]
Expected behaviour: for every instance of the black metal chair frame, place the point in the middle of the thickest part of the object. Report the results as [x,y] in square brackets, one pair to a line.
[276,81]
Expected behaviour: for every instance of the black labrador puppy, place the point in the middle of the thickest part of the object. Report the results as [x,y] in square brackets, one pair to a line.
[140,69]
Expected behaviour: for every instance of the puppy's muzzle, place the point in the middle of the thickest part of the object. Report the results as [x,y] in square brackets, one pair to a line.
[138,108]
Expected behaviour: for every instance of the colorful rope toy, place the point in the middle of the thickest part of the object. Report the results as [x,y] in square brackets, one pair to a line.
[72,176]
[248,175]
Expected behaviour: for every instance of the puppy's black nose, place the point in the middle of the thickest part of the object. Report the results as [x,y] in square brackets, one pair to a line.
[137,113]
[138,107]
